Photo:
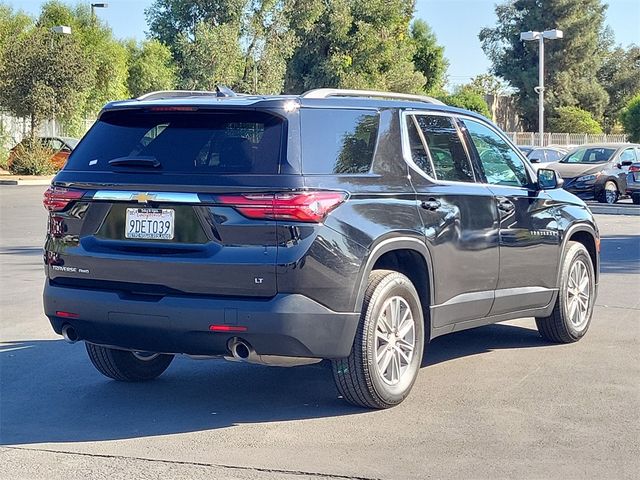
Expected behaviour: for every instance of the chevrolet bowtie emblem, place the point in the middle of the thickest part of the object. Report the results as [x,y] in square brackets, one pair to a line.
[143,197]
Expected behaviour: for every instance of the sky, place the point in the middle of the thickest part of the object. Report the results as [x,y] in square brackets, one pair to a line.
[456,23]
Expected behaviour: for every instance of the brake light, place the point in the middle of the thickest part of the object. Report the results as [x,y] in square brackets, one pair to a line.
[67,314]
[57,198]
[310,207]
[634,168]
[227,328]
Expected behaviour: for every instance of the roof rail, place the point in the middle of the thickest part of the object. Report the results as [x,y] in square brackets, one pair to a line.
[221,91]
[338,92]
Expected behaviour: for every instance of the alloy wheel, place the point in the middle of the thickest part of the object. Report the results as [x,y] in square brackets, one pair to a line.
[395,340]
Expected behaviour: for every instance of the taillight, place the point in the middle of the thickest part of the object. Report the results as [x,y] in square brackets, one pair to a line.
[634,168]
[58,198]
[310,207]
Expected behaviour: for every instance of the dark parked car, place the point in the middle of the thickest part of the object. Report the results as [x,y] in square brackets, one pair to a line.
[633,180]
[283,230]
[597,171]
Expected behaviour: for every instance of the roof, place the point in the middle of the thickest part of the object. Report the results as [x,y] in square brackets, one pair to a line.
[607,145]
[310,99]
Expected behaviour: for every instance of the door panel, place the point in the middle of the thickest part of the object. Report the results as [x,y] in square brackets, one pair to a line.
[529,240]
[459,219]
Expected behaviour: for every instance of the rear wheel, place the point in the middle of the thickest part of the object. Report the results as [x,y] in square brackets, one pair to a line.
[127,366]
[635,197]
[571,315]
[609,193]
[387,351]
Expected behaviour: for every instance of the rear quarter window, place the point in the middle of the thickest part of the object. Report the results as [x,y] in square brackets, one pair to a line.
[206,142]
[338,141]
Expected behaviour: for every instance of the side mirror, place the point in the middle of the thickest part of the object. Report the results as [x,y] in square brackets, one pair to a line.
[549,179]
[627,163]
[534,160]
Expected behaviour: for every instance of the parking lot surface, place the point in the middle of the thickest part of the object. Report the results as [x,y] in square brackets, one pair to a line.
[493,402]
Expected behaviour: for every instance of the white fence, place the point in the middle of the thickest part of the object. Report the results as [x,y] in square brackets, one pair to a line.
[15,129]
[564,139]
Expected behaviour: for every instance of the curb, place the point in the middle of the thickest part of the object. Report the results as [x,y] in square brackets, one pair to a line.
[26,181]
[612,210]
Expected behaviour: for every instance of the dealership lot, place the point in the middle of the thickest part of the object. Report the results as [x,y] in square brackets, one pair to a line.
[494,402]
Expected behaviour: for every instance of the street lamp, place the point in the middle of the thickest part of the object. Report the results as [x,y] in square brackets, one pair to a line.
[540,36]
[97,5]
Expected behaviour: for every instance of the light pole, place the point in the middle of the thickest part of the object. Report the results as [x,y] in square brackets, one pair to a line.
[97,5]
[540,36]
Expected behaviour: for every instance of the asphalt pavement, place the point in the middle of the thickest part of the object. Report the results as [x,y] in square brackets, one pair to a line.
[493,402]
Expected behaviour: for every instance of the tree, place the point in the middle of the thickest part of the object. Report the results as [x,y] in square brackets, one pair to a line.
[429,57]
[353,44]
[468,98]
[150,68]
[12,25]
[571,63]
[491,86]
[174,21]
[43,76]
[107,59]
[213,57]
[620,76]
[630,119]
[573,120]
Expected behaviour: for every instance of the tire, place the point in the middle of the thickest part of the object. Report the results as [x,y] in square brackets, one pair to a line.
[571,315]
[609,193]
[362,378]
[635,198]
[127,366]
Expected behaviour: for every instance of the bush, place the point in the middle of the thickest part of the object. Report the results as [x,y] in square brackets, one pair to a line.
[470,100]
[573,120]
[32,158]
[4,149]
[630,118]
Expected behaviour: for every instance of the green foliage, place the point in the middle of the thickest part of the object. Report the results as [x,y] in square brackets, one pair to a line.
[571,63]
[214,57]
[429,57]
[150,68]
[12,25]
[487,84]
[354,44]
[173,22]
[107,57]
[630,119]
[573,120]
[43,75]
[468,98]
[620,76]
[4,147]
[32,158]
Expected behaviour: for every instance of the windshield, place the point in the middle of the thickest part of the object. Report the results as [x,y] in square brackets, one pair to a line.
[589,155]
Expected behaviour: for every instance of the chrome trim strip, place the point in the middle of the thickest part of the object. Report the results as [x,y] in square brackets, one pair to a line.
[145,197]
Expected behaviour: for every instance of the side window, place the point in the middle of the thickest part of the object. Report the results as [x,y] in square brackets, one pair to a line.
[553,155]
[338,141]
[501,164]
[419,154]
[449,158]
[628,155]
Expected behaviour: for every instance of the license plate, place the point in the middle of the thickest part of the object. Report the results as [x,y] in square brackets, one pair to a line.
[150,223]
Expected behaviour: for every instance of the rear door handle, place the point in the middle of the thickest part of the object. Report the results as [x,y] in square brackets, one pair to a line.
[431,204]
[505,205]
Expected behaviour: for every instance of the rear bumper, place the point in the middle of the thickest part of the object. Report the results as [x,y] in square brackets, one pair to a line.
[286,325]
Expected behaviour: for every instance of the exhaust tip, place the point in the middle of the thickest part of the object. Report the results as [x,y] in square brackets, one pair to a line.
[69,334]
[241,350]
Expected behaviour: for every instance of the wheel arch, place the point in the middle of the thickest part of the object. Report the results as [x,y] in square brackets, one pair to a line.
[409,256]
[587,236]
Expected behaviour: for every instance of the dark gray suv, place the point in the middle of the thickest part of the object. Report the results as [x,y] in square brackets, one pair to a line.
[343,225]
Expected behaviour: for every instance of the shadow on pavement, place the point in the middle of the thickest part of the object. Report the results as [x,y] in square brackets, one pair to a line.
[620,254]
[51,393]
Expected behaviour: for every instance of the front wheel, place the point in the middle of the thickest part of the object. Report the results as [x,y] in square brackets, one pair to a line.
[387,351]
[571,315]
[127,366]
[609,193]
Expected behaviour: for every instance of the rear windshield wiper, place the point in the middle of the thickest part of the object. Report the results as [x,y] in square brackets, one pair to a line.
[135,162]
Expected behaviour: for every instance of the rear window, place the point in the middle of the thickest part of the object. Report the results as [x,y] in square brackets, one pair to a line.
[245,142]
[338,141]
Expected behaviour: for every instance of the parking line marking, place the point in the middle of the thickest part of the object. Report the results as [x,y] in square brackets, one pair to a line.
[15,348]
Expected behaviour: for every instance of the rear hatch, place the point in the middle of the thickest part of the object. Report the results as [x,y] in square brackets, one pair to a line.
[148,203]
